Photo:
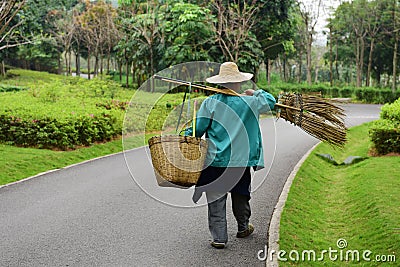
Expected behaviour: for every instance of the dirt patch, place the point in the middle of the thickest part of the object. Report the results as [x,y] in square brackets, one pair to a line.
[373,153]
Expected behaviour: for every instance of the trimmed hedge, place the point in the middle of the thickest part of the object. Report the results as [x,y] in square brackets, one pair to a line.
[385,133]
[53,133]
[11,88]
[365,94]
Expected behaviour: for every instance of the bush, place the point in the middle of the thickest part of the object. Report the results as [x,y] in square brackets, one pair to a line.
[385,133]
[347,92]
[366,95]
[391,111]
[49,132]
[65,112]
[11,88]
[60,112]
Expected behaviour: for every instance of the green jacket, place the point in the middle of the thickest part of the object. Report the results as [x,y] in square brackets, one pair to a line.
[231,124]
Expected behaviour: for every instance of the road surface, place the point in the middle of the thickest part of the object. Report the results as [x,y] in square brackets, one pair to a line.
[96,214]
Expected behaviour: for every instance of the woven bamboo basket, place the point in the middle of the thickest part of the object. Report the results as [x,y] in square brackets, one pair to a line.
[177,160]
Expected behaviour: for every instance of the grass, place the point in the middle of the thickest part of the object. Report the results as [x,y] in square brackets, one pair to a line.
[18,163]
[359,203]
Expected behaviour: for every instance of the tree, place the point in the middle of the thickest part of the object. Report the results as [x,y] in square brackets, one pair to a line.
[182,20]
[63,31]
[98,31]
[148,30]
[78,42]
[396,40]
[310,15]
[9,23]
[350,21]
[42,50]
[373,24]
[234,25]
[300,43]
[274,30]
[87,28]
[141,23]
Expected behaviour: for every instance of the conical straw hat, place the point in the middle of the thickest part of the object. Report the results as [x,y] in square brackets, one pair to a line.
[229,73]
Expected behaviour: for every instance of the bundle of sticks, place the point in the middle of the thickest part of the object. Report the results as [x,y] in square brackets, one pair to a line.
[320,117]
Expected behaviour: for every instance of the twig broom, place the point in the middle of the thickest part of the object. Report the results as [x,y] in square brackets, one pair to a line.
[317,116]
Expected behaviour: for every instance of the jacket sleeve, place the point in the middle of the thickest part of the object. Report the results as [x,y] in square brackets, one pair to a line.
[265,101]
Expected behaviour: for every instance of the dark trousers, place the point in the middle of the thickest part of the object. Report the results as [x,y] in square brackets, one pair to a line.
[217,214]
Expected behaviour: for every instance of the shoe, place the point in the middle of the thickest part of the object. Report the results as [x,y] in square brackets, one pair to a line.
[246,233]
[218,245]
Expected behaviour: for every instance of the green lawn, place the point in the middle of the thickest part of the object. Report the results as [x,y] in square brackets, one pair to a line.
[359,203]
[67,98]
[17,163]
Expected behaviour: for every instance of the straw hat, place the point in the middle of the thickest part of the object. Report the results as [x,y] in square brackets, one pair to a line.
[229,73]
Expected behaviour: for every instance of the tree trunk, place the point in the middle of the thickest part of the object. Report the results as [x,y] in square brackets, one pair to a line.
[108,62]
[269,67]
[309,60]
[152,69]
[78,63]
[337,61]
[127,74]
[120,71]
[59,63]
[378,78]
[69,62]
[133,74]
[279,62]
[88,64]
[316,74]
[3,69]
[362,59]
[285,79]
[371,51]
[96,65]
[66,63]
[101,64]
[359,60]
[330,58]
[396,48]
[300,74]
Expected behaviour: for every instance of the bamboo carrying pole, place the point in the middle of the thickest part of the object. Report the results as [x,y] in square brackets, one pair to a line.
[226,91]
[317,116]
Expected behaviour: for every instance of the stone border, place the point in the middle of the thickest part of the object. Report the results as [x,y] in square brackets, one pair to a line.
[273,231]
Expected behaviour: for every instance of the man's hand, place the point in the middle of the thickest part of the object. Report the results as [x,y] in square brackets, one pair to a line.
[249,92]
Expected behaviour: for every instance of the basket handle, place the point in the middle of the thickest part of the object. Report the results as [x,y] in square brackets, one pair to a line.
[187,90]
[184,127]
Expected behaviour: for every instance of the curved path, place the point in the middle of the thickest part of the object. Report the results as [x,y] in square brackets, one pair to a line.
[93,214]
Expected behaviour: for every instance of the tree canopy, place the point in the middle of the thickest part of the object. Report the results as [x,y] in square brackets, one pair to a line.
[140,38]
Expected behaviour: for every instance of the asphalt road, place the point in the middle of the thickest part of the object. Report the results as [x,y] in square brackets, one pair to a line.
[102,213]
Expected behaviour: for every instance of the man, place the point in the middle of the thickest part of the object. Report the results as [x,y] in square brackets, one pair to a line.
[231,125]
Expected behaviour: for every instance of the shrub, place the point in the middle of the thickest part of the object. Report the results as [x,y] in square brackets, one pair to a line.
[346,92]
[385,133]
[49,132]
[391,111]
[11,88]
